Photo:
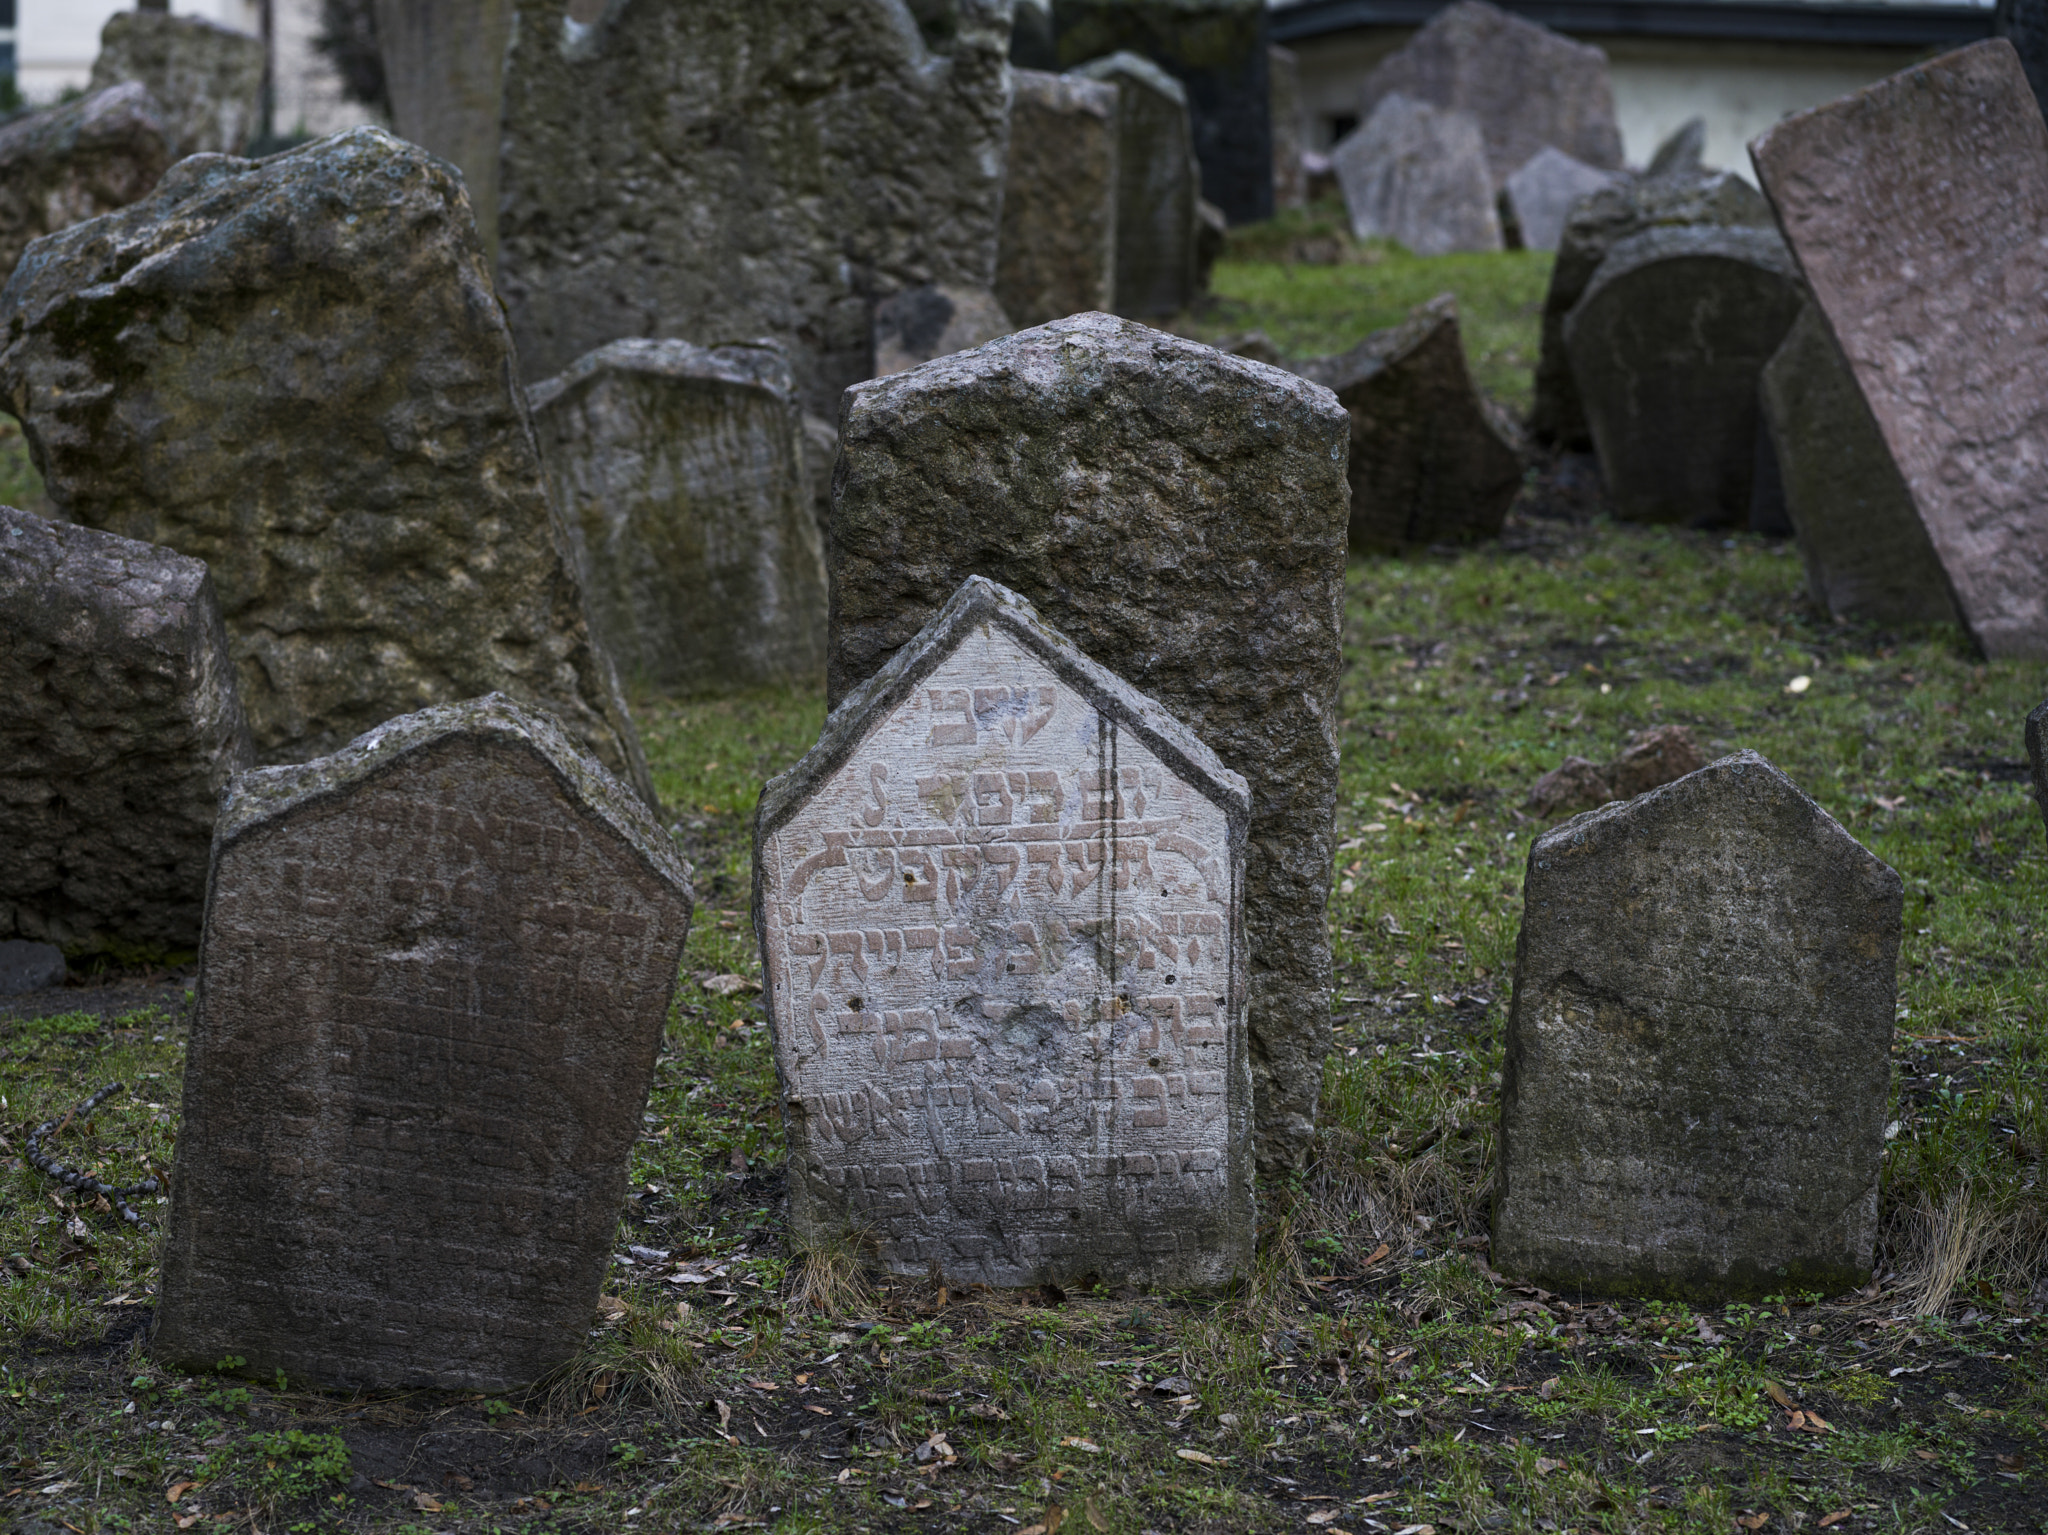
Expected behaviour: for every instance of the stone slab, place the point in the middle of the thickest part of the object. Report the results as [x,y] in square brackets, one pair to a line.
[26,967]
[1417,176]
[1290,128]
[1158,186]
[935,320]
[64,164]
[1057,255]
[444,75]
[206,80]
[1543,192]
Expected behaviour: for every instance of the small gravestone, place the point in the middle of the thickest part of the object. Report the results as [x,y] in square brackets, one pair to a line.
[26,967]
[444,77]
[934,320]
[680,472]
[2037,755]
[1681,154]
[64,164]
[1001,916]
[1542,194]
[1699,1046]
[1417,175]
[1290,129]
[206,80]
[119,727]
[1158,184]
[1915,207]
[1057,255]
[1667,344]
[436,972]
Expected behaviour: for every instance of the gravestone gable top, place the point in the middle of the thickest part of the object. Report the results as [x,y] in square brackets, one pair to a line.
[436,969]
[1001,907]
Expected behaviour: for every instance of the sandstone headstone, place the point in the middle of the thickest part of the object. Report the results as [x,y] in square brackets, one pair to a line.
[1915,207]
[1290,128]
[444,73]
[1699,1046]
[1667,345]
[1180,514]
[206,80]
[1001,915]
[710,171]
[1057,255]
[935,320]
[26,967]
[119,727]
[2024,24]
[1681,154]
[1542,194]
[1157,187]
[2037,755]
[680,472]
[312,392]
[1867,555]
[64,164]
[436,972]
[1418,176]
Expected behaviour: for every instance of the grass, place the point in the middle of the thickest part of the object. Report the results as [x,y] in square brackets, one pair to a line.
[21,486]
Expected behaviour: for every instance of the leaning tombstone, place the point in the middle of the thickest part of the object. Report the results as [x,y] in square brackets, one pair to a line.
[1096,465]
[1416,175]
[436,972]
[1001,913]
[1699,1046]
[1682,153]
[444,76]
[934,320]
[1158,185]
[64,164]
[206,80]
[119,727]
[680,472]
[1941,319]
[1057,254]
[314,395]
[1290,129]
[1542,194]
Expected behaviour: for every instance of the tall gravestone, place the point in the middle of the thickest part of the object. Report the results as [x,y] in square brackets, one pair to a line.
[1180,513]
[444,74]
[1542,194]
[1290,129]
[436,973]
[312,391]
[1699,1045]
[1416,175]
[64,164]
[206,80]
[1057,255]
[1158,188]
[1001,916]
[1915,207]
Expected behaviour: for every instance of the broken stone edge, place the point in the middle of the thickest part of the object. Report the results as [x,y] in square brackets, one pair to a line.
[680,361]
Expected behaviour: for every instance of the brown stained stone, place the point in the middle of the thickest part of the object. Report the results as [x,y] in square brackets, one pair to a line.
[1651,758]
[1575,784]
[1416,174]
[1158,188]
[1915,207]
[436,972]
[1057,254]
[65,164]
[206,80]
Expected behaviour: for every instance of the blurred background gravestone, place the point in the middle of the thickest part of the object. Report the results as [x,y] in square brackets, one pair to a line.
[1416,175]
[206,80]
[1542,194]
[64,164]
[444,76]
[915,325]
[1157,188]
[1290,129]
[1057,254]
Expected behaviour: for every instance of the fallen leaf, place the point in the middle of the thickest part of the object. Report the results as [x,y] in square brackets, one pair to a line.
[178,1490]
[1055,1516]
[1074,1442]
[1094,1515]
[726,985]
[426,1503]
[186,1521]
[1832,1519]
[762,1385]
[1812,1422]
[1032,1529]
[587,1487]
[1753,1521]
[1548,1389]
[1378,1253]
[1417,1529]
[1925,1454]
[1777,1394]
[1323,1515]
[724,1412]
[611,1308]
[823,1412]
[1198,1457]
[1545,1465]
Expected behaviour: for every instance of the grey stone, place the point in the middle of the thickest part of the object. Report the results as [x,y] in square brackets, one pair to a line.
[436,972]
[444,73]
[1667,345]
[1867,556]
[680,472]
[206,80]
[1179,513]
[65,164]
[2037,755]
[1418,176]
[295,369]
[119,727]
[26,967]
[1699,1046]
[672,168]
[1157,188]
[936,320]
[1001,912]
[1915,207]
[1681,153]
[1212,236]
[2024,24]
[1290,128]
[1057,255]
[1544,191]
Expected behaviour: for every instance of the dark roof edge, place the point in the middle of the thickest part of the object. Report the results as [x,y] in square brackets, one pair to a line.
[1904,26]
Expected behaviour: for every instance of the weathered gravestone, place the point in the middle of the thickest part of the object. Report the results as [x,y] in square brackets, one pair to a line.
[1542,194]
[436,971]
[1157,187]
[1683,152]
[1290,128]
[2037,755]
[1178,512]
[680,472]
[1418,176]
[206,80]
[935,320]
[444,74]
[1001,915]
[1057,255]
[26,967]
[1915,207]
[312,392]
[1666,345]
[119,727]
[64,164]
[1699,1046]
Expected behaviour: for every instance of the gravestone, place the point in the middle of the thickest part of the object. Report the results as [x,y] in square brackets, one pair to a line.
[1178,512]
[934,320]
[1667,345]
[64,164]
[1699,1046]
[680,472]
[1157,187]
[821,452]
[1290,128]
[1418,176]
[1544,191]
[119,727]
[2037,756]
[1001,915]
[436,972]
[1681,153]
[2024,24]
[26,967]
[1915,207]
[1867,556]
[766,169]
[444,73]
[206,80]
[312,392]
[1057,254]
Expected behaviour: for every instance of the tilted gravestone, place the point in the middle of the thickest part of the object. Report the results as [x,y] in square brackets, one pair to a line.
[1001,915]
[1683,152]
[680,472]
[312,392]
[1057,255]
[436,973]
[1699,1045]
[1180,514]
[1158,186]
[65,164]
[1542,194]
[1915,207]
[119,727]
[1417,176]
[206,80]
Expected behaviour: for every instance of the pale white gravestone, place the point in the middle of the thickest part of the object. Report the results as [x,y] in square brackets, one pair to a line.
[1001,910]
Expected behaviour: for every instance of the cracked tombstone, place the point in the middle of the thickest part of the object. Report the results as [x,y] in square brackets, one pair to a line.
[436,971]
[1001,913]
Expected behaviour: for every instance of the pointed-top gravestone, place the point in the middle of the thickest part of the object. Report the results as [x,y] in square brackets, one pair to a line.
[1001,912]
[1416,174]
[1682,153]
[1543,193]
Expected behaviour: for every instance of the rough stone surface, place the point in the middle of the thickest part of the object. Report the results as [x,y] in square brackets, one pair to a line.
[65,164]
[1544,191]
[710,171]
[1179,513]
[680,472]
[1418,176]
[295,369]
[1527,85]
[1650,759]
[2024,24]
[436,971]
[1290,128]
[119,727]
[1057,255]
[936,320]
[1667,345]
[821,452]
[1683,152]
[1867,555]
[1157,187]
[444,72]
[1915,207]
[1698,1047]
[26,967]
[1429,462]
[1001,910]
[2037,755]
[206,80]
